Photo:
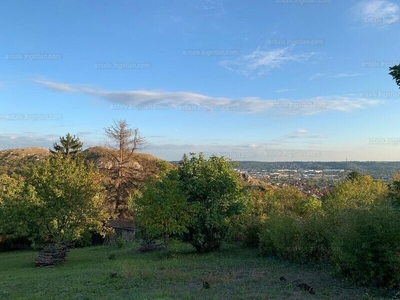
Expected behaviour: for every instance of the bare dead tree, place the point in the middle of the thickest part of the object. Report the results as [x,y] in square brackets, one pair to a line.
[123,144]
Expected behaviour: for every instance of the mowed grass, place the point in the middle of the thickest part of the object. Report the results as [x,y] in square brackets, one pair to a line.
[233,272]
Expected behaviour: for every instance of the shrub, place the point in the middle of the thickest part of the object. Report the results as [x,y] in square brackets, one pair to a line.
[366,245]
[247,226]
[298,239]
[315,238]
[120,242]
[280,236]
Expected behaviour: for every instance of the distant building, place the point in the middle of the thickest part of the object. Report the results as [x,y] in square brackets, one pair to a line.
[123,228]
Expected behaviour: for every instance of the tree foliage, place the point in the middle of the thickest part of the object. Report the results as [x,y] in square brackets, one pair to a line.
[58,200]
[285,200]
[69,145]
[19,209]
[360,192]
[214,194]
[162,209]
[366,246]
[395,73]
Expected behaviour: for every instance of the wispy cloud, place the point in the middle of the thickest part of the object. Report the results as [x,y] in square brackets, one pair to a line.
[283,90]
[378,13]
[329,75]
[260,62]
[183,100]
[209,4]
[318,75]
[341,75]
[302,134]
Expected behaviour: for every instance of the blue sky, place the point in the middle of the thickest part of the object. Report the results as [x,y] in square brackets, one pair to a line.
[284,80]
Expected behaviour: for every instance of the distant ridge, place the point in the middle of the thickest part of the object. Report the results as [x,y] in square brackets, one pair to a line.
[15,160]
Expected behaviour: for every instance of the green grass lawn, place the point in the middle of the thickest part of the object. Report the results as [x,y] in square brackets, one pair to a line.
[233,273]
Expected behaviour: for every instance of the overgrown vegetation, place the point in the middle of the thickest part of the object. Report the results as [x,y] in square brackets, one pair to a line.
[354,228]
[65,198]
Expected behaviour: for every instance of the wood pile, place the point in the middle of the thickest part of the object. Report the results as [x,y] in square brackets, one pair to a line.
[53,255]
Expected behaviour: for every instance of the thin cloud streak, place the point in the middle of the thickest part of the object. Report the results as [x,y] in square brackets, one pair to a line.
[260,62]
[181,100]
[328,75]
[302,134]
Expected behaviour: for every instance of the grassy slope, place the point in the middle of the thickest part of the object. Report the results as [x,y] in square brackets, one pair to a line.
[233,273]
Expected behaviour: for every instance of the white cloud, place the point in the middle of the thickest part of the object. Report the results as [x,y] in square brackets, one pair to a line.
[318,75]
[303,134]
[378,13]
[301,131]
[260,62]
[282,91]
[339,75]
[187,101]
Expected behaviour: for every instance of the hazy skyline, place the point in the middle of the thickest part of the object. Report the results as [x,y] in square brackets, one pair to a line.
[284,80]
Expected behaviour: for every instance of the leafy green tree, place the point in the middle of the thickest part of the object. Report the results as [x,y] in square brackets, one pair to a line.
[361,192]
[69,145]
[162,208]
[19,209]
[214,194]
[285,200]
[395,73]
[71,195]
[394,190]
[60,200]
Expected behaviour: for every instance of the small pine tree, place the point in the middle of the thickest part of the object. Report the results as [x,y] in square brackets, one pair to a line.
[69,145]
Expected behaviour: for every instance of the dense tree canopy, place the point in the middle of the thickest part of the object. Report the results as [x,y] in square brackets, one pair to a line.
[162,208]
[214,194]
[58,200]
[360,192]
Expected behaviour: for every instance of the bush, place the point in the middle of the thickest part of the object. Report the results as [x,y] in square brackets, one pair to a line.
[304,239]
[280,236]
[366,246]
[247,226]
[315,238]
[120,242]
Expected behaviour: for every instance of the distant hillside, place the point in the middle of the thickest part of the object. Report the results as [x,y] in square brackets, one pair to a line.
[15,160]
[143,164]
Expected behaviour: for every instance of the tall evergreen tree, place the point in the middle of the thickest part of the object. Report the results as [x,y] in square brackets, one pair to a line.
[69,145]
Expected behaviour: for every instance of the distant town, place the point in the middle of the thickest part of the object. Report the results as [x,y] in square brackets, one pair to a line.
[310,182]
[314,178]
